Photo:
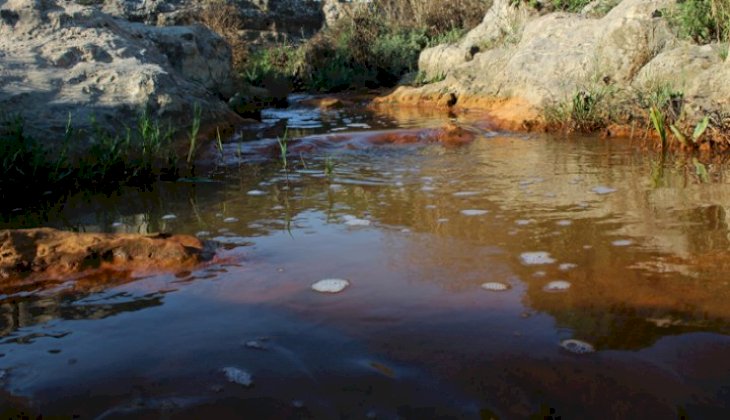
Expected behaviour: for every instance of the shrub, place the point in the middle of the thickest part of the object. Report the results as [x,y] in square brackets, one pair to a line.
[225,19]
[703,21]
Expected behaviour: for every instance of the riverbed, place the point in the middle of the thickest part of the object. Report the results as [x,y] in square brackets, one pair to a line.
[514,275]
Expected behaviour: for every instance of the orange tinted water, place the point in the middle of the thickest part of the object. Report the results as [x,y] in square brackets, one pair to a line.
[447,312]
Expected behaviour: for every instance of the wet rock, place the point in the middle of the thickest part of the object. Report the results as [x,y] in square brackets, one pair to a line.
[49,252]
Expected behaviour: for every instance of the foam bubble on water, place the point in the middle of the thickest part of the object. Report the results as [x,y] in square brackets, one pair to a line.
[539,274]
[230,220]
[428,188]
[330,285]
[255,344]
[564,222]
[577,346]
[587,246]
[355,221]
[536,258]
[567,266]
[278,207]
[202,234]
[238,376]
[494,286]
[557,286]
[442,220]
[256,193]
[169,217]
[358,125]
[522,222]
[465,193]
[474,212]
[622,242]
[117,224]
[603,190]
[405,230]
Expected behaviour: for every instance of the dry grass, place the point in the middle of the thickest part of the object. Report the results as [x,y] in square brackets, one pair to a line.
[225,19]
[437,16]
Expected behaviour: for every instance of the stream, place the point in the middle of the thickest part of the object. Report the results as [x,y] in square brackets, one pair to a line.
[512,276]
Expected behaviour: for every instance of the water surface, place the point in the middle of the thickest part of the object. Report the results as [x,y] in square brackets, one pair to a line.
[470,268]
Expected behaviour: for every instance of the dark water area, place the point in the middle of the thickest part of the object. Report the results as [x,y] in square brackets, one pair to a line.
[519,275]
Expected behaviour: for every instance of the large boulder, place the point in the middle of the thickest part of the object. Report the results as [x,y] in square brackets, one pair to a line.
[60,58]
[528,60]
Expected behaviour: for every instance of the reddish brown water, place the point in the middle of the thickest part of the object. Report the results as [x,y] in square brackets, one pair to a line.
[417,230]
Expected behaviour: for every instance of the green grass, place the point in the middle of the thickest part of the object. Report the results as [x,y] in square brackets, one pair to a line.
[703,21]
[373,48]
[31,170]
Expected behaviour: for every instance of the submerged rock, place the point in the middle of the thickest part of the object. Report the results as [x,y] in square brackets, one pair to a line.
[50,252]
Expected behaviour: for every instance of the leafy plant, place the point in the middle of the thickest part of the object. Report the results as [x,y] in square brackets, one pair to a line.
[283,142]
[699,130]
[194,130]
[657,119]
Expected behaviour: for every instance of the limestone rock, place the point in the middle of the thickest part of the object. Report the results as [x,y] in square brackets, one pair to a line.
[61,58]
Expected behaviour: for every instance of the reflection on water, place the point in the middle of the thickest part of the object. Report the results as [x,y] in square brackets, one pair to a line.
[473,275]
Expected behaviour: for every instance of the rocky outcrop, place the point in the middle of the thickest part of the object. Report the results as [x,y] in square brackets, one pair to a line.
[50,253]
[517,61]
[60,58]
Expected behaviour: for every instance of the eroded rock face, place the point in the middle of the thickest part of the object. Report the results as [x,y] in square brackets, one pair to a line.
[61,58]
[48,252]
[526,60]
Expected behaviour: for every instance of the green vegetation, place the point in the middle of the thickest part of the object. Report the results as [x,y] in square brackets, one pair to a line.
[374,46]
[139,155]
[703,21]
[588,110]
[283,149]
[552,5]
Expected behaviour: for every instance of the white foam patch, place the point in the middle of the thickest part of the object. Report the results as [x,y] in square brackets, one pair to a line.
[230,220]
[474,212]
[494,286]
[622,242]
[522,222]
[442,220]
[117,224]
[465,193]
[355,221]
[536,258]
[330,285]
[577,346]
[169,217]
[428,188]
[603,190]
[203,234]
[256,193]
[238,376]
[557,286]
[564,222]
[539,274]
[567,266]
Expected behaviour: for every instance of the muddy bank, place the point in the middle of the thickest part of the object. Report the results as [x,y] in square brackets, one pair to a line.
[521,66]
[47,253]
